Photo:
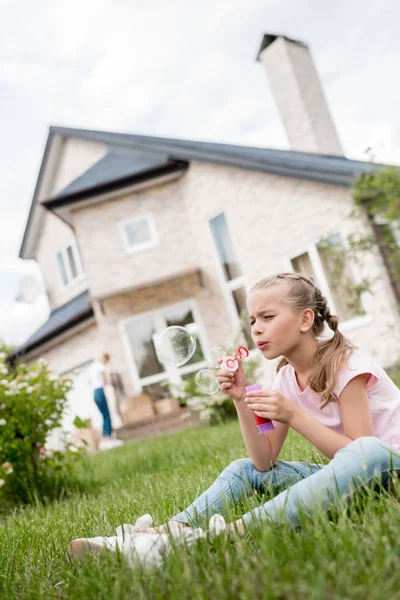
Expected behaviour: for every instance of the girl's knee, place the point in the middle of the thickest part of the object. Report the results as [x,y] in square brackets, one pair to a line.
[369,449]
[238,466]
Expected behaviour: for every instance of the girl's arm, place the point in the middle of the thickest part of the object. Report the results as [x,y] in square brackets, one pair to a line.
[263,448]
[355,414]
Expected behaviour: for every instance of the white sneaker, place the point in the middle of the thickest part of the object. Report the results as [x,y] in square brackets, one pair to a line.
[78,549]
[216,526]
[148,549]
[106,443]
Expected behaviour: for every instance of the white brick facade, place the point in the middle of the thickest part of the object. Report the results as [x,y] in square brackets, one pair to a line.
[54,237]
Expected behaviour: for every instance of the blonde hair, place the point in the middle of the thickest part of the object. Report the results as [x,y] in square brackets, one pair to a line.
[331,355]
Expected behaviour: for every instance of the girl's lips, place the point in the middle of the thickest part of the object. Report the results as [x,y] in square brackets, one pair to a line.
[262,344]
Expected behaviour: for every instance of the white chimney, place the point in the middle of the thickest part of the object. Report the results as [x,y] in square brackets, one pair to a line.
[298,93]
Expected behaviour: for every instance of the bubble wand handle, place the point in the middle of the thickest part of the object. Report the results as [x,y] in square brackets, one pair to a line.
[231,363]
[262,424]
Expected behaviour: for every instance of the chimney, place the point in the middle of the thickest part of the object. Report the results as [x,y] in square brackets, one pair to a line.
[298,93]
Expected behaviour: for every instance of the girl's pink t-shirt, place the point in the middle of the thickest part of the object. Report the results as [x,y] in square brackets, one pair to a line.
[383,394]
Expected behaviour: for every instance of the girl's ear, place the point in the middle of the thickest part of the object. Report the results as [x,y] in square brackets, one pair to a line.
[307,320]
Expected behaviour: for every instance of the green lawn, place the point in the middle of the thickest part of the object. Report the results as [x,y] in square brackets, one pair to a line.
[356,555]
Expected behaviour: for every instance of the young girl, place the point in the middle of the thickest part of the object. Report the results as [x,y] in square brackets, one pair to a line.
[334,396]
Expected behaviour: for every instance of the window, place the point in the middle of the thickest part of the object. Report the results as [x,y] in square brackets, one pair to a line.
[226,253]
[140,334]
[69,263]
[233,280]
[319,263]
[139,233]
[388,237]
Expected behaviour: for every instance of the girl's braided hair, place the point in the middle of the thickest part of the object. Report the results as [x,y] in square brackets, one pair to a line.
[331,355]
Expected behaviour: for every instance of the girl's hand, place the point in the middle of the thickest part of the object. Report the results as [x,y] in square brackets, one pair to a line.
[271,405]
[233,384]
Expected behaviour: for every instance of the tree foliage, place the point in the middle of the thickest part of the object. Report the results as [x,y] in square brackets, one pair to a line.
[376,196]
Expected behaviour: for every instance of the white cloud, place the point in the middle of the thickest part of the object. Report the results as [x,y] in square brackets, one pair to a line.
[18,320]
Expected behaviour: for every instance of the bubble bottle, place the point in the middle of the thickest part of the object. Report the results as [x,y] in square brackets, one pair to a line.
[263,425]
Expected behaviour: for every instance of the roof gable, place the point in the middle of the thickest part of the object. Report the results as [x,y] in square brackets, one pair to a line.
[59,164]
[117,164]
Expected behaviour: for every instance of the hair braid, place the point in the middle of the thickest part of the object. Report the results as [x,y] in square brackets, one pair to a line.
[325,312]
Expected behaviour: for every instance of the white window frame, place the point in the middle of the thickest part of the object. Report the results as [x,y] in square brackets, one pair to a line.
[79,267]
[227,286]
[171,373]
[323,284]
[151,243]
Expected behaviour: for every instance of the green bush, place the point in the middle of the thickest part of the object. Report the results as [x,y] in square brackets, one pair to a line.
[32,401]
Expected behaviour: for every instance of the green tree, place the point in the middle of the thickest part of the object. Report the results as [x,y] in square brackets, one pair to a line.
[376,196]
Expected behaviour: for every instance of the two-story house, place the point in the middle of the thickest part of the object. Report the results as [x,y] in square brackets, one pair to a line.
[135,233]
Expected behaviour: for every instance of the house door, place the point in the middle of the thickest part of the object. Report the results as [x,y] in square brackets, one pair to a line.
[139,334]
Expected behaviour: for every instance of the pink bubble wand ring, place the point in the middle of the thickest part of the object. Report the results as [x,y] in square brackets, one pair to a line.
[231,363]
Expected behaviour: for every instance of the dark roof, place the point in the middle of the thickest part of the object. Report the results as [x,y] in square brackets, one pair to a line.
[318,167]
[269,38]
[117,165]
[61,319]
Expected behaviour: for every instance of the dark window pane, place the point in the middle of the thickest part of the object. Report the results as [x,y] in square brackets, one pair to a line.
[72,263]
[61,266]
[183,317]
[140,334]
[138,232]
[225,249]
[239,297]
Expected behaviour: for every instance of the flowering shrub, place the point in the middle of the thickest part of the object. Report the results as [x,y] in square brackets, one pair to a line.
[32,401]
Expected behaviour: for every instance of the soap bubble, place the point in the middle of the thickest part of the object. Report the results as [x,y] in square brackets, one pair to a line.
[175,346]
[214,355]
[206,382]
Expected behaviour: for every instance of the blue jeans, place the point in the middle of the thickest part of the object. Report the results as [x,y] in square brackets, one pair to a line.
[101,402]
[309,486]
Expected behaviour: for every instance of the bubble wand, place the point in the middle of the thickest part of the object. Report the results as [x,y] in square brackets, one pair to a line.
[231,364]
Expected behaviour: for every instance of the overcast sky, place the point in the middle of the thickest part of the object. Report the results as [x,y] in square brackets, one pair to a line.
[179,68]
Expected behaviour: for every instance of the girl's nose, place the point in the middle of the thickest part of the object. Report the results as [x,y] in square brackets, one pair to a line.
[257,329]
